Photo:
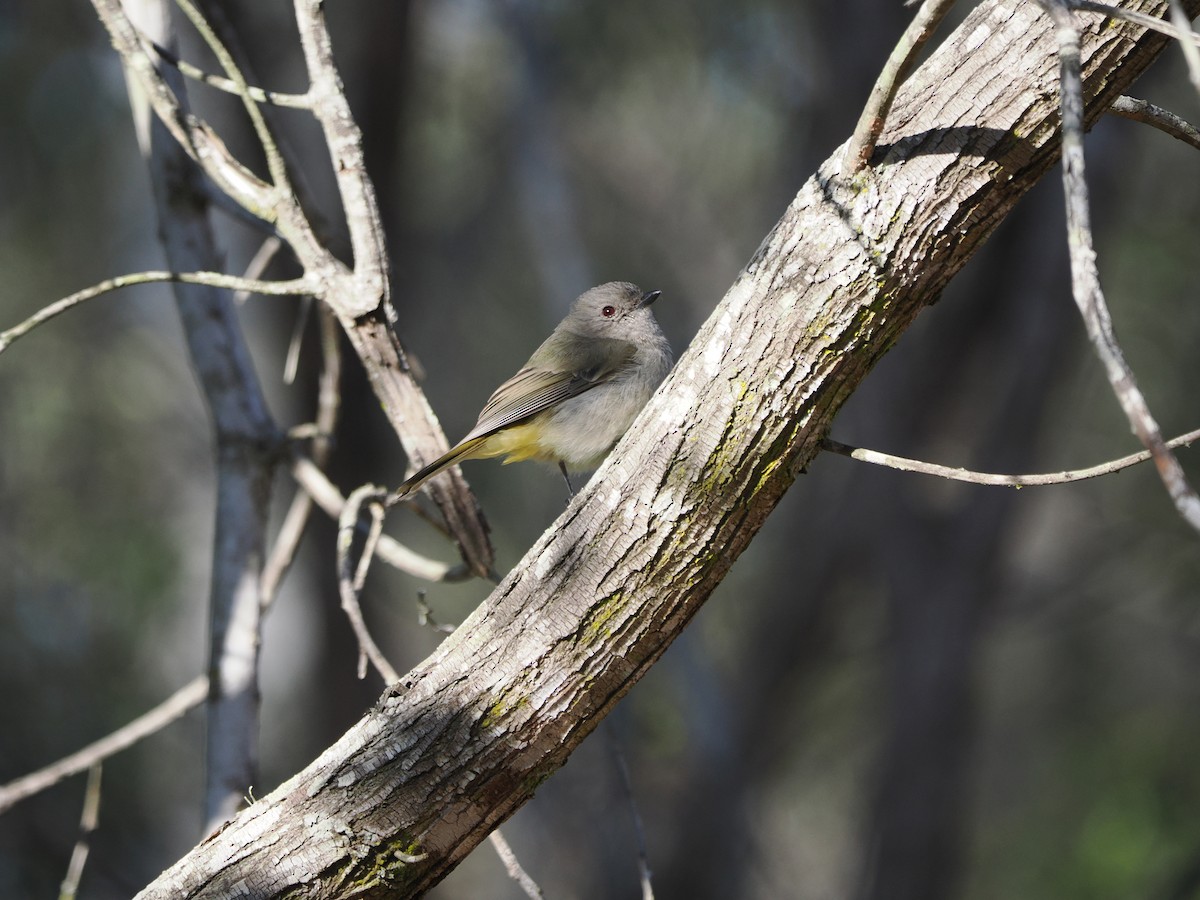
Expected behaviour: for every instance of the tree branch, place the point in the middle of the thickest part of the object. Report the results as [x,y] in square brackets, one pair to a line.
[331,501]
[1136,17]
[329,400]
[88,820]
[360,297]
[465,738]
[883,94]
[228,85]
[1157,117]
[187,697]
[351,575]
[1067,476]
[513,867]
[1085,277]
[296,286]
[363,301]
[246,441]
[1188,42]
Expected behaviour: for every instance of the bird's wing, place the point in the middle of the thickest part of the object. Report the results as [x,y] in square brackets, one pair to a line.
[540,386]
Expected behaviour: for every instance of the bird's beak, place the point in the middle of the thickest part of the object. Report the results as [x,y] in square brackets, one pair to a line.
[648,298]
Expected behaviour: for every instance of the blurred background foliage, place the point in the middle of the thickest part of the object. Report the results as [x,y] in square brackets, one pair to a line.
[905,689]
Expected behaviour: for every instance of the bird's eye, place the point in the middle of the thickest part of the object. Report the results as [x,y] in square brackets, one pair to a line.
[608,312]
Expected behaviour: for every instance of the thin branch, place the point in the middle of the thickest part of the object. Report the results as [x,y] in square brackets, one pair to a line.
[276,207]
[1190,52]
[639,831]
[291,362]
[342,135]
[350,575]
[362,299]
[1085,278]
[283,550]
[88,820]
[360,296]
[195,137]
[904,464]
[295,286]
[874,114]
[1130,15]
[296,520]
[374,530]
[262,257]
[1165,121]
[512,865]
[425,617]
[395,554]
[186,698]
[275,163]
[228,85]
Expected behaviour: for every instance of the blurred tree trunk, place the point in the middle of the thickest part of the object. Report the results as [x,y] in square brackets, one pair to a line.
[466,737]
[941,552]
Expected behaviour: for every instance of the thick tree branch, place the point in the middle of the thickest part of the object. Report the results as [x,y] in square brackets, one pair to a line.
[465,738]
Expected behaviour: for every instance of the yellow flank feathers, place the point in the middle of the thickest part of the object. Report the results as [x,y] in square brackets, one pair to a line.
[517,443]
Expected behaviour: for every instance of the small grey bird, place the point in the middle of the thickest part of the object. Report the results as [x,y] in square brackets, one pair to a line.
[579,392]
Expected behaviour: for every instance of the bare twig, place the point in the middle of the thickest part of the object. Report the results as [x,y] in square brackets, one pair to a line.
[986,478]
[275,164]
[292,361]
[1191,54]
[425,617]
[186,698]
[328,405]
[1157,117]
[258,264]
[198,140]
[228,85]
[332,110]
[212,279]
[639,832]
[1085,279]
[874,114]
[330,499]
[351,573]
[513,866]
[374,530]
[1137,18]
[88,820]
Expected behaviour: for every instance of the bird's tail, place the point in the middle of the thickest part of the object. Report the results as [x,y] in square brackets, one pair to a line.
[449,458]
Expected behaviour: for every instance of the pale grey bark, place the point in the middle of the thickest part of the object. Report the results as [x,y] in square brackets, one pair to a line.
[467,736]
[246,441]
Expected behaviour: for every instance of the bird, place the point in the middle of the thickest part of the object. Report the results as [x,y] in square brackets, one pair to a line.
[578,393]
